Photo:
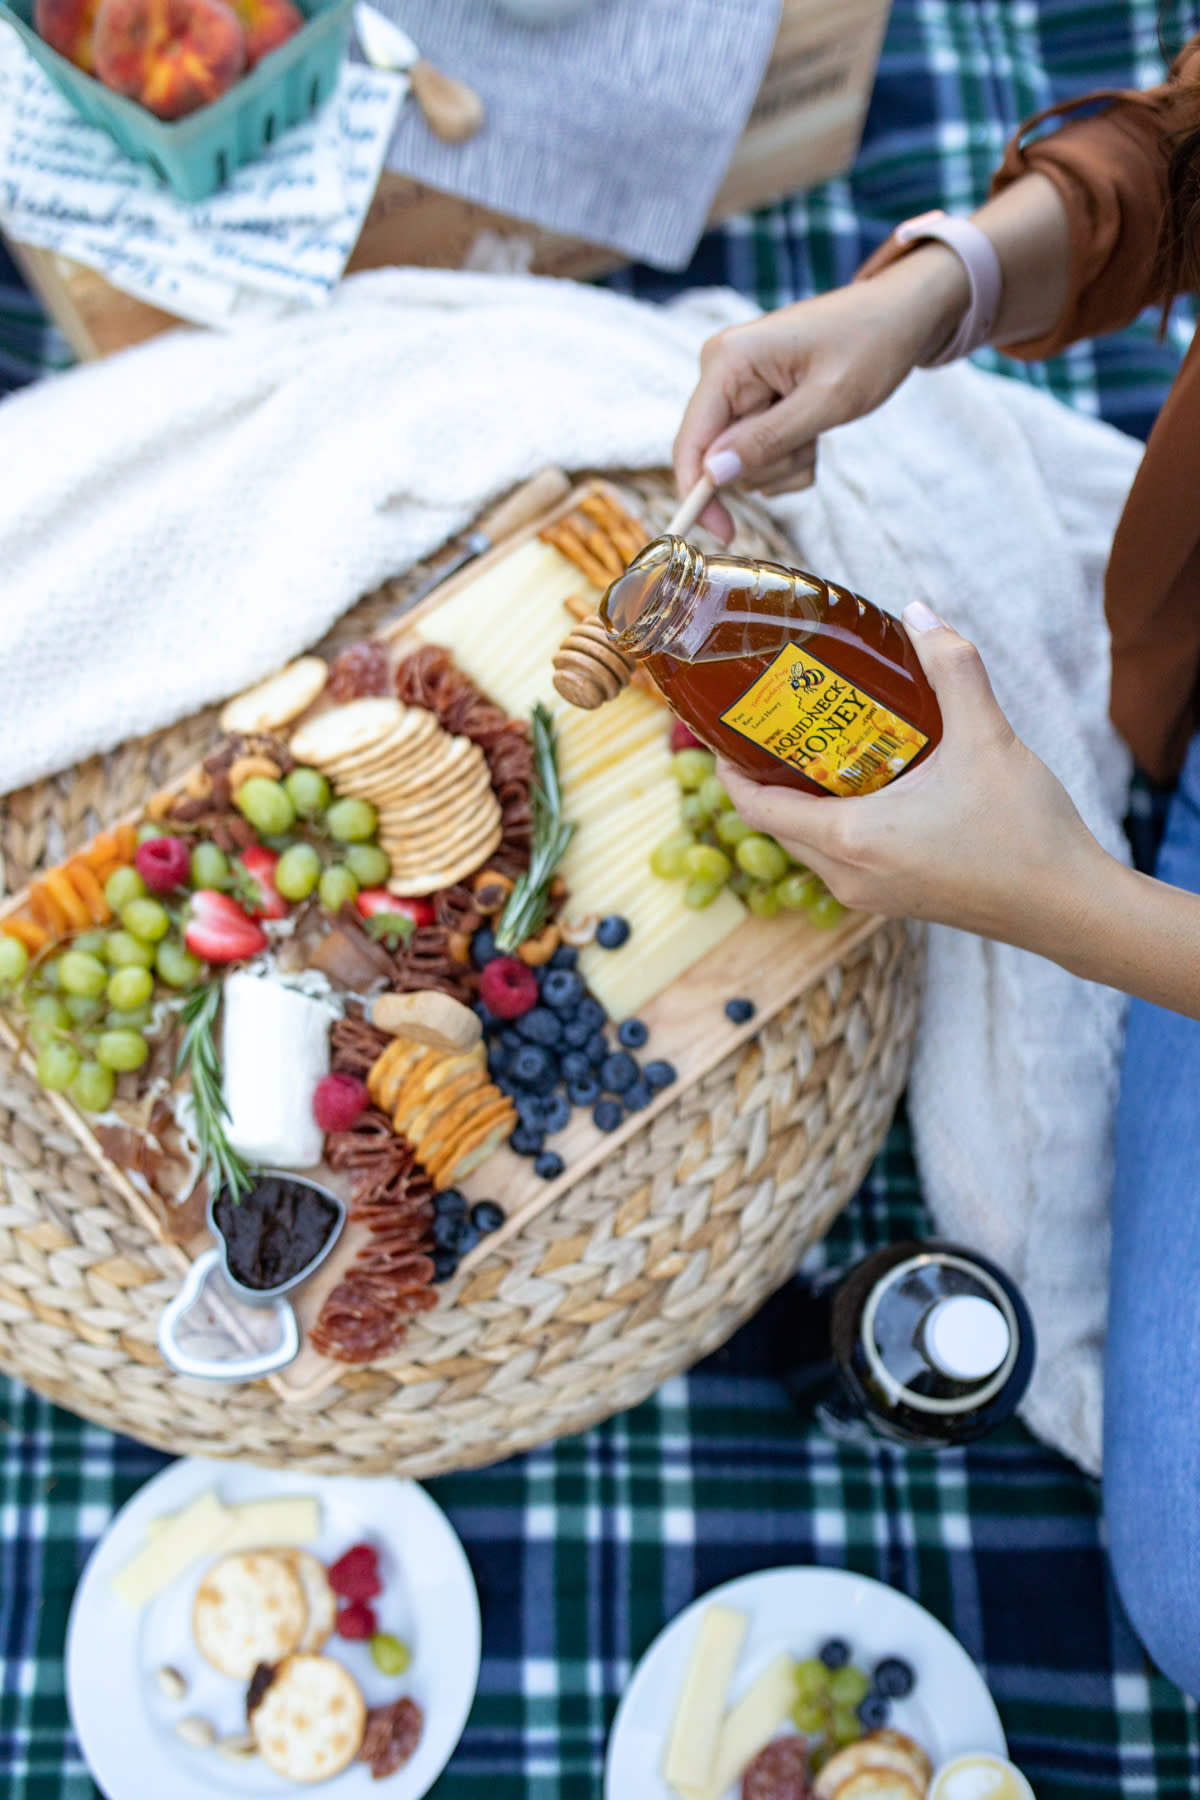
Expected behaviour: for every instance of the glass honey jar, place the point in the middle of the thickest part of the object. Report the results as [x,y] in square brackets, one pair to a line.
[794,680]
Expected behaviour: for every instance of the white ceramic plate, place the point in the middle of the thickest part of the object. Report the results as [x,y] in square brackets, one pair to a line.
[126,1726]
[949,1711]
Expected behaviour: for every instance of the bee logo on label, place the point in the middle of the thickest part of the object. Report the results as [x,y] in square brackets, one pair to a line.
[802,678]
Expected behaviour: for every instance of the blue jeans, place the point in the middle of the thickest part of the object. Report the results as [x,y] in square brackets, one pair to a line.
[1152,1359]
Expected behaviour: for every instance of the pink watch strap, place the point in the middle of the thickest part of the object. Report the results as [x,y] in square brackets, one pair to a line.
[974,250]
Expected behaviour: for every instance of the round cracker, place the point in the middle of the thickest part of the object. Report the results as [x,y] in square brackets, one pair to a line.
[886,1751]
[343,729]
[461,1163]
[412,887]
[397,1059]
[879,1784]
[319,1597]
[457,1137]
[426,1120]
[413,796]
[402,745]
[309,1724]
[276,701]
[249,1609]
[424,838]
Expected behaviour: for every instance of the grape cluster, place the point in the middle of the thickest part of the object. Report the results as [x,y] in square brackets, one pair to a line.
[301,817]
[714,849]
[836,1701]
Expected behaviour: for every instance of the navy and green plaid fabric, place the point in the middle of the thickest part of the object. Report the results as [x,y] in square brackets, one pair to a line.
[584,1549]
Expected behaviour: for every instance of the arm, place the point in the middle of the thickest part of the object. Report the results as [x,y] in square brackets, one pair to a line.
[982,836]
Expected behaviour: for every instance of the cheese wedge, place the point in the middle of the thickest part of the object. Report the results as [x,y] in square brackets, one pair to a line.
[751,1723]
[197,1531]
[696,1727]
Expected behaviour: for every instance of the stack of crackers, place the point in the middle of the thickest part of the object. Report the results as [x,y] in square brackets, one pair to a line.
[443,1104]
[439,818]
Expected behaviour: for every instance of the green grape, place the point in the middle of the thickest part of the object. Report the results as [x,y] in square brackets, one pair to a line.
[847,1728]
[706,863]
[266,804]
[761,857]
[699,894]
[134,1018]
[146,919]
[83,974]
[210,867]
[809,1715]
[351,821]
[176,965]
[812,1680]
[336,886]
[798,888]
[740,883]
[49,973]
[692,810]
[369,865]
[83,1009]
[130,987]
[122,1050]
[57,1066]
[730,829]
[849,1685]
[389,1654]
[714,795]
[14,959]
[298,871]
[762,900]
[49,1010]
[826,911]
[122,886]
[308,791]
[93,942]
[147,830]
[127,952]
[690,767]
[93,1087]
[666,859]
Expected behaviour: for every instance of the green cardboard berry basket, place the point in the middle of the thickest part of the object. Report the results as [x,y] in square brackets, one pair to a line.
[197,155]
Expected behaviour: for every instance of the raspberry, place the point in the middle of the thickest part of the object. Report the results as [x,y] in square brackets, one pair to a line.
[684,739]
[508,987]
[162,863]
[355,1574]
[338,1101]
[357,1621]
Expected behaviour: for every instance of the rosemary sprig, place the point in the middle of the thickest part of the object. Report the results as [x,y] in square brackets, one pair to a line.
[223,1167]
[526,906]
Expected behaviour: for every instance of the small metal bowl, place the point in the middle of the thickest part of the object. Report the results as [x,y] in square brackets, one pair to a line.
[267,1296]
[206,1287]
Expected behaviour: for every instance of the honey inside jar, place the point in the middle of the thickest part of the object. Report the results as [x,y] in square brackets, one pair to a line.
[795,680]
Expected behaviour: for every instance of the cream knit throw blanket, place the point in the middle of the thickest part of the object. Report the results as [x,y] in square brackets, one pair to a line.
[178,521]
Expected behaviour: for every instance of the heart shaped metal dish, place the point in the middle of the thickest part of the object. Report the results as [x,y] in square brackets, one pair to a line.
[210,1335]
[233,1229]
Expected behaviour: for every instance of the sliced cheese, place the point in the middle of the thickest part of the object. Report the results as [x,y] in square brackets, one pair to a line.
[696,1727]
[505,626]
[751,1723]
[197,1531]
[623,980]
[290,1519]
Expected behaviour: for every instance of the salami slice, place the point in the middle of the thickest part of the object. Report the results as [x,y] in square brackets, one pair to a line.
[392,1734]
[778,1772]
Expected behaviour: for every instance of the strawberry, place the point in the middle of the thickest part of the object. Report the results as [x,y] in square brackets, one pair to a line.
[254,883]
[684,738]
[357,1621]
[355,1574]
[219,931]
[374,903]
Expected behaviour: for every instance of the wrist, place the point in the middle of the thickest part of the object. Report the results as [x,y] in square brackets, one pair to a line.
[1078,900]
[932,286]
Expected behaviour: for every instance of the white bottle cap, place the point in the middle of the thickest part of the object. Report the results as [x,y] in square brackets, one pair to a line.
[966,1337]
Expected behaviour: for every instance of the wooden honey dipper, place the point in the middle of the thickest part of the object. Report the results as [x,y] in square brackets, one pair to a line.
[589,669]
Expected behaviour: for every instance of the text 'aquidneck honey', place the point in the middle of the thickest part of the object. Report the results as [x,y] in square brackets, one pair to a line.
[795,680]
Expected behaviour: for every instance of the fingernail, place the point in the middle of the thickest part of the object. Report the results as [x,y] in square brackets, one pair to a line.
[723,466]
[919,617]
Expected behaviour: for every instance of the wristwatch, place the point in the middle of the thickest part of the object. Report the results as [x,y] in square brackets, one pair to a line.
[975,251]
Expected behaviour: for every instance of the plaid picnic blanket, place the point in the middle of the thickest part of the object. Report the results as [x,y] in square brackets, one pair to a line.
[584,1549]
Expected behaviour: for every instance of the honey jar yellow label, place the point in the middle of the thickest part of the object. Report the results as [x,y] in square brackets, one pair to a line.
[812,718]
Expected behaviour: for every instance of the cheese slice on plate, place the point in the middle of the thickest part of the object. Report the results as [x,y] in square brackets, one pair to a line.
[287,1520]
[197,1531]
[696,1727]
[749,1724]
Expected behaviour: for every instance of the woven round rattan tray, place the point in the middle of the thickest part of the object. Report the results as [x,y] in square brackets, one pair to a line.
[639,1269]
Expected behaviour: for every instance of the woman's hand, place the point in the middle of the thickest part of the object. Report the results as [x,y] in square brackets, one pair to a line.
[767,389]
[981,835]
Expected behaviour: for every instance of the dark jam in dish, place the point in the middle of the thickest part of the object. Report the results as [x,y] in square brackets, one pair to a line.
[275,1231]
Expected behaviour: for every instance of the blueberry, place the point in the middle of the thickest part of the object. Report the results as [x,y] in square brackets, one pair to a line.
[487,1018]
[618,1072]
[577,1031]
[468,1237]
[575,1065]
[595,1015]
[447,1231]
[739,1011]
[507,1086]
[596,1048]
[835,1654]
[525,1141]
[545,1085]
[487,1216]
[565,957]
[529,1064]
[511,1039]
[893,1678]
[607,1115]
[873,1712]
[659,1074]
[612,932]
[483,948]
[563,989]
[556,1114]
[541,1026]
[584,1091]
[633,1034]
[638,1096]
[549,1165]
[529,1112]
[450,1202]
[444,1264]
[497,1062]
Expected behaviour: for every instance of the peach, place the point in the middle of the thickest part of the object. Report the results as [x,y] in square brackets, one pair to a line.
[172,56]
[267,24]
[67,26]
